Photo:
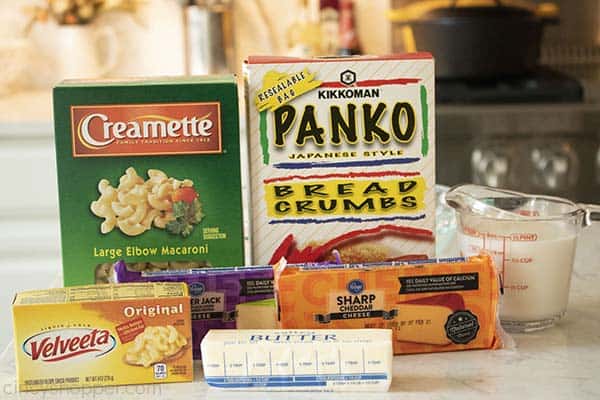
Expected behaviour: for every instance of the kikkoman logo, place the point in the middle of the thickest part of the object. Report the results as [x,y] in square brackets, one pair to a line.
[348,77]
[63,344]
[146,129]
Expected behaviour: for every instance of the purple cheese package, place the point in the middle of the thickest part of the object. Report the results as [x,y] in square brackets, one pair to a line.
[222,298]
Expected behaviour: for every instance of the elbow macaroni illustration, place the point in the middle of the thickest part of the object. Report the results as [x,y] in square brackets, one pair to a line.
[135,205]
[155,344]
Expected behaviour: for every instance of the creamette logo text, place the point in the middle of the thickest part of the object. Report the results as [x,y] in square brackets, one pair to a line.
[142,127]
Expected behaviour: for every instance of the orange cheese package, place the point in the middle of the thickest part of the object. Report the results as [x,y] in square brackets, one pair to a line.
[103,335]
[430,305]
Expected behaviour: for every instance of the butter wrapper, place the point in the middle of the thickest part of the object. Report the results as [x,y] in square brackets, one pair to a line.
[322,360]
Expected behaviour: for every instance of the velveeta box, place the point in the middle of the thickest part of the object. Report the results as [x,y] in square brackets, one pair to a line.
[148,170]
[430,305]
[102,335]
[341,157]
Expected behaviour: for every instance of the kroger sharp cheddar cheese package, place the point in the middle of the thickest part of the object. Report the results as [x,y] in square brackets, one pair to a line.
[102,335]
[431,305]
[148,170]
[342,157]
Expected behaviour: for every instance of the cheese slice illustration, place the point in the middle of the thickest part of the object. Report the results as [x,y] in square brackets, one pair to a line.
[423,320]
[260,314]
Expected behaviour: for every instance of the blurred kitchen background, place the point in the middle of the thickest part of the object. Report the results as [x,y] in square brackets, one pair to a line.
[518,89]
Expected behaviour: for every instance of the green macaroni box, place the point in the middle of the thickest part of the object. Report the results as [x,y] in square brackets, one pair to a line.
[148,171]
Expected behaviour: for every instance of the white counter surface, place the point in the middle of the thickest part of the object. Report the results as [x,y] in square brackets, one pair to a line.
[559,363]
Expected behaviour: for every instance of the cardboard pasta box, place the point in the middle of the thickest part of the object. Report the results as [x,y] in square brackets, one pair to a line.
[342,157]
[149,171]
[103,335]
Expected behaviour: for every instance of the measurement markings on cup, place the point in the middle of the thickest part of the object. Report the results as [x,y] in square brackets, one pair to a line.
[490,243]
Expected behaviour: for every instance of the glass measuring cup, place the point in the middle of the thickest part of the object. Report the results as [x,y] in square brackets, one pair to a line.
[532,240]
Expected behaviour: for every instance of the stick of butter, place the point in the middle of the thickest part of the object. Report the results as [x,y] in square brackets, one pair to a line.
[298,360]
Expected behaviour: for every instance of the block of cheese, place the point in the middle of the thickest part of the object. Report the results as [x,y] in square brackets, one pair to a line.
[260,314]
[298,360]
[430,305]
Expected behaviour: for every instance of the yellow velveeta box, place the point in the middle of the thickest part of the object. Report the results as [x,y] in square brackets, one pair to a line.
[103,335]
[430,305]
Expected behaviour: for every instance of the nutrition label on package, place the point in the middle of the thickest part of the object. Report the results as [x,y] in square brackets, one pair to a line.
[101,292]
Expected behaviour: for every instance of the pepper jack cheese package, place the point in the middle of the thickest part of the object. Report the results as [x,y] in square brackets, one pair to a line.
[430,305]
[342,157]
[102,335]
[148,170]
[299,360]
[216,295]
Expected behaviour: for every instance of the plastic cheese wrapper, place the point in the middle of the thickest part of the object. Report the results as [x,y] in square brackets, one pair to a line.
[430,305]
[218,295]
[298,360]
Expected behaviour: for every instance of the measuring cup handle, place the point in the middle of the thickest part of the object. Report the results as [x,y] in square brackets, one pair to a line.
[592,213]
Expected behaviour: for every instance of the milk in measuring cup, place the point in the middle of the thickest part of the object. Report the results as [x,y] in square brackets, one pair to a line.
[535,267]
[532,239]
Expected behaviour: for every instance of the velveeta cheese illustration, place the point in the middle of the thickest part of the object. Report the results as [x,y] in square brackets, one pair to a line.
[430,305]
[103,335]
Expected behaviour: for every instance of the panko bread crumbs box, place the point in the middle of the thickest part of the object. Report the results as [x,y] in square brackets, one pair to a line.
[102,335]
[148,170]
[341,157]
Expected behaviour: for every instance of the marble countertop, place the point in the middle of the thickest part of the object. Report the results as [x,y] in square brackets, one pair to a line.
[559,363]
